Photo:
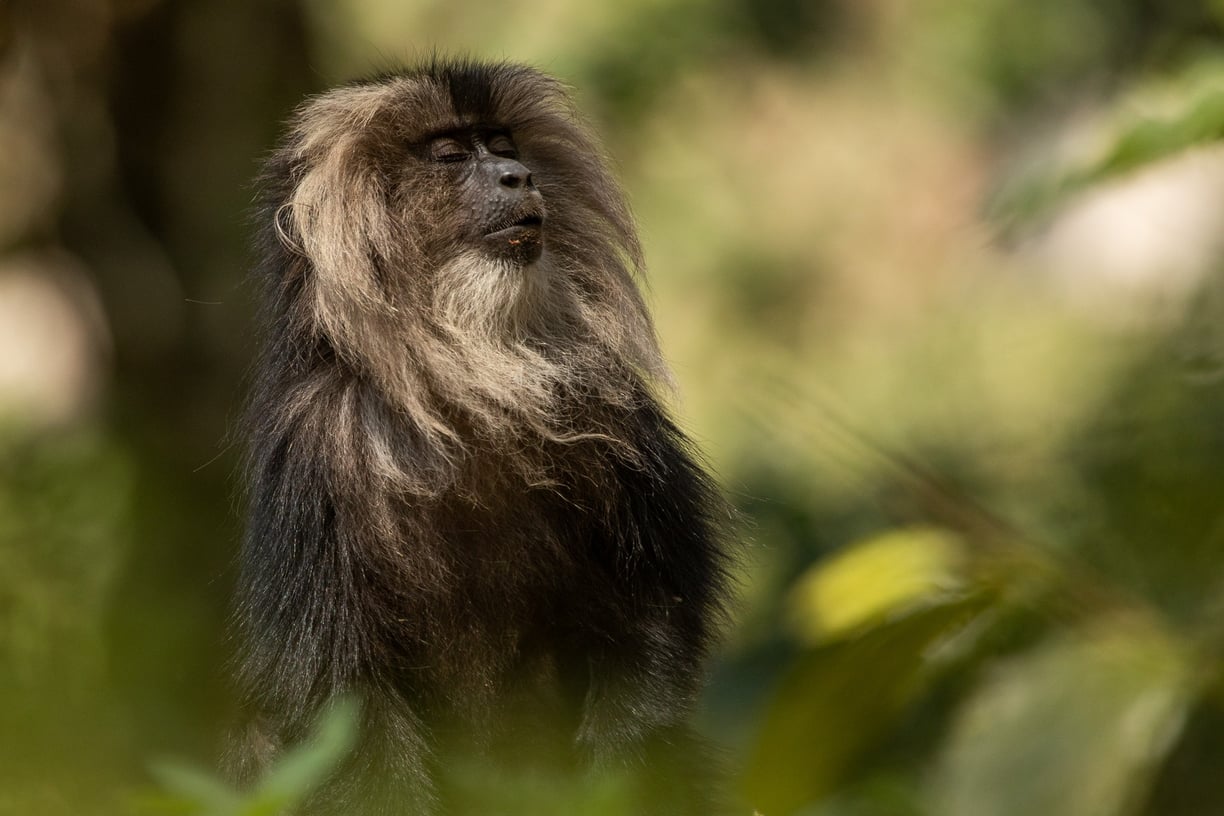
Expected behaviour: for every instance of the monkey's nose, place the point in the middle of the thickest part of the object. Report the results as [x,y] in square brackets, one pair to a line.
[515,176]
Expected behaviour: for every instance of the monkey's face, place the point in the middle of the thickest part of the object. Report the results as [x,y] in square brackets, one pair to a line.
[502,210]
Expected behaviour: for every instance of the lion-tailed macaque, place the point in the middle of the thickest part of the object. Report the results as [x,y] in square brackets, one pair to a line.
[468,506]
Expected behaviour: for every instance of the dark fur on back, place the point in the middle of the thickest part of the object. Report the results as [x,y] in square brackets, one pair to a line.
[467,503]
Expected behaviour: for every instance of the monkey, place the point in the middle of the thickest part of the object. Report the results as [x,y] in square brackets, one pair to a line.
[469,505]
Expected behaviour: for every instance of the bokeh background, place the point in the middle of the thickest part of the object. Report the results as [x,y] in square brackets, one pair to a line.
[941,283]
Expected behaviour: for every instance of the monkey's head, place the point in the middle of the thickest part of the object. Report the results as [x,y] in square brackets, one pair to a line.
[452,233]
[443,147]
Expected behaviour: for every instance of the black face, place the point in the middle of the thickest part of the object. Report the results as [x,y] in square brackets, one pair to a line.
[507,209]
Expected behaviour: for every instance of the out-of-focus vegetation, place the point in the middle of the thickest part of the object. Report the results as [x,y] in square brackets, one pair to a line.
[294,775]
[941,283]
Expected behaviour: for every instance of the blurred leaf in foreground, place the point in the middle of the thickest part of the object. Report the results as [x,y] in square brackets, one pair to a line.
[192,790]
[838,701]
[875,580]
[1076,728]
[297,773]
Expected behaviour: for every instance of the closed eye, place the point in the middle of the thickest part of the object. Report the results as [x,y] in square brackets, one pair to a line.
[502,145]
[446,149]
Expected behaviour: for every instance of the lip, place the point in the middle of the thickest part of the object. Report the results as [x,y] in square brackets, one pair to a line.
[520,239]
[522,227]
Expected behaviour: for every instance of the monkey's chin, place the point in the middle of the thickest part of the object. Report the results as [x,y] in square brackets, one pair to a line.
[518,244]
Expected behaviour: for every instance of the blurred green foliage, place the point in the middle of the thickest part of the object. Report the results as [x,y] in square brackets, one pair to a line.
[941,284]
[285,785]
[1173,115]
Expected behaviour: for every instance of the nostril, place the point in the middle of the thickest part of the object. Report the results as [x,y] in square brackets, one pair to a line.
[514,179]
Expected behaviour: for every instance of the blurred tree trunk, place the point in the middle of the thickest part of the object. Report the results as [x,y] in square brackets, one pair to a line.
[158,115]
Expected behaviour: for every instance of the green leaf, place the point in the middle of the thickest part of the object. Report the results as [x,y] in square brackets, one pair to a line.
[302,769]
[876,580]
[838,701]
[290,780]
[203,790]
[1076,728]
